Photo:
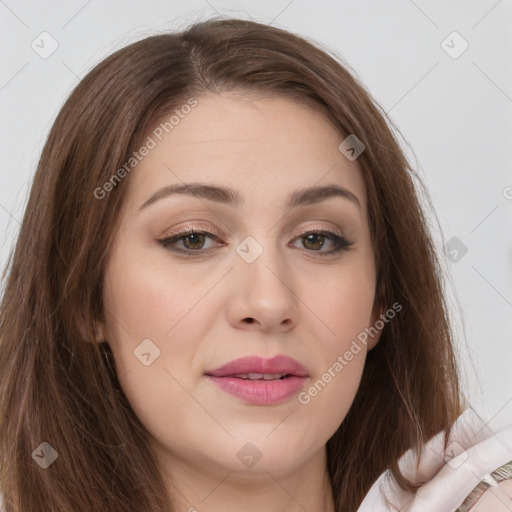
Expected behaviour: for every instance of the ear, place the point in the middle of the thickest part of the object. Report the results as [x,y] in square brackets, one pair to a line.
[99,333]
[376,326]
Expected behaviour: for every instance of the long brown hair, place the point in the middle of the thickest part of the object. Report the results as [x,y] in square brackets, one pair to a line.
[61,389]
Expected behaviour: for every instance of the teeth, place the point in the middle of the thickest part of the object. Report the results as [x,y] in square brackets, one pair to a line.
[259,376]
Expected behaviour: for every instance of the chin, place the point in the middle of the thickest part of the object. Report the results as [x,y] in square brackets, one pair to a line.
[256,455]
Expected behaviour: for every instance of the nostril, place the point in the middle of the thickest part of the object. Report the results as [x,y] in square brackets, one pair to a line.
[249,320]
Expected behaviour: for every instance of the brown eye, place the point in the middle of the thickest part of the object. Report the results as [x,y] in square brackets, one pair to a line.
[314,241]
[193,241]
[196,240]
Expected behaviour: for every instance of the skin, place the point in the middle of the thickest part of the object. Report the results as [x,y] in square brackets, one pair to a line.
[303,305]
[497,499]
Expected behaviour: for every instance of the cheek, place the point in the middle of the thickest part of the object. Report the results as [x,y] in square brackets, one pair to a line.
[342,302]
[148,298]
[342,314]
[154,333]
[143,300]
[341,350]
[151,326]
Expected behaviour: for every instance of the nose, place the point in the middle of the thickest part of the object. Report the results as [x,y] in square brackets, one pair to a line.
[263,297]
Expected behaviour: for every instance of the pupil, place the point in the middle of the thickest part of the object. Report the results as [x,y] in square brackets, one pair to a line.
[194,237]
[312,237]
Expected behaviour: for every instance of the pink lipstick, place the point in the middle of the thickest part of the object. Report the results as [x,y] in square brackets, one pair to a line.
[260,381]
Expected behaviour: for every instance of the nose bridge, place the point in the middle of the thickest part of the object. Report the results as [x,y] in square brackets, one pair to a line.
[260,259]
[263,246]
[263,283]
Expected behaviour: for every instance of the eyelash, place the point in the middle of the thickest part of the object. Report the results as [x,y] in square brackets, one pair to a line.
[342,243]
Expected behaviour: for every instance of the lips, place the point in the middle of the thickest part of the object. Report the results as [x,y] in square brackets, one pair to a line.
[260,381]
[258,365]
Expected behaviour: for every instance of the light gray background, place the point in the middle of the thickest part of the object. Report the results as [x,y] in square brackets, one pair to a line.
[456,114]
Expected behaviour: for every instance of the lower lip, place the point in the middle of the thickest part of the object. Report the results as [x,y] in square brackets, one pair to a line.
[260,392]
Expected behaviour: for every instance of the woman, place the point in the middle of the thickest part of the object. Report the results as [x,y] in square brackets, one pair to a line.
[224,292]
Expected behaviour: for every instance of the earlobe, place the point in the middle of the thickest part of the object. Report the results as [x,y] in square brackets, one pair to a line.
[376,326]
[99,334]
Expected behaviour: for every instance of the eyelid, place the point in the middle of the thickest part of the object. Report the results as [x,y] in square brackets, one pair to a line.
[186,228]
[320,227]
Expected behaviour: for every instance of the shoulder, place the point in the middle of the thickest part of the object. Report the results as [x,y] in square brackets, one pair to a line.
[475,450]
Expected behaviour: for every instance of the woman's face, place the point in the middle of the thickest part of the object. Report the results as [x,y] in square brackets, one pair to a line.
[256,286]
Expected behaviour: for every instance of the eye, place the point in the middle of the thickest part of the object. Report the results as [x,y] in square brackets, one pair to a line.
[314,241]
[194,242]
[192,239]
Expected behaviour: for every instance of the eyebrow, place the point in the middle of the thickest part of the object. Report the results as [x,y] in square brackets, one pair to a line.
[224,195]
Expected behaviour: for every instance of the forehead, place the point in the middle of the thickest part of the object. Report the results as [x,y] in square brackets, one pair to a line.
[264,147]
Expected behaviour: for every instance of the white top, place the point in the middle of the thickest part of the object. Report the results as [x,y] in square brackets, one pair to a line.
[473,451]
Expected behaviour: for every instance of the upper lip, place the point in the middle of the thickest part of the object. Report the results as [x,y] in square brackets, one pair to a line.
[256,364]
